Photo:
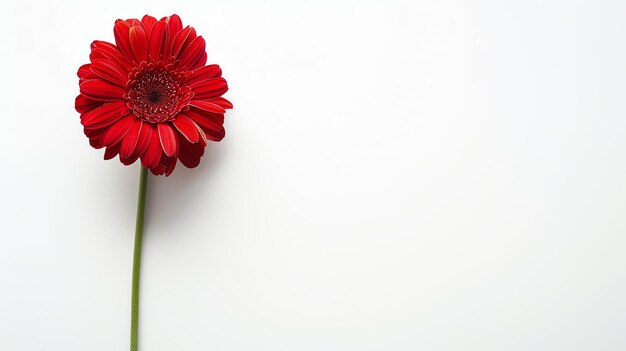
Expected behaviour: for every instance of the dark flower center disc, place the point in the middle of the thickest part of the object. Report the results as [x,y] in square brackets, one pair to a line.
[156,95]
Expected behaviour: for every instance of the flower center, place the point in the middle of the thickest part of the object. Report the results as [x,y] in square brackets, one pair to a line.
[155,93]
[153,96]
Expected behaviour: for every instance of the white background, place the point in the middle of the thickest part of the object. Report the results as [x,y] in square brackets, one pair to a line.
[442,175]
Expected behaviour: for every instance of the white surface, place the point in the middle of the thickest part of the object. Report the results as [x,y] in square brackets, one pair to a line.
[441,175]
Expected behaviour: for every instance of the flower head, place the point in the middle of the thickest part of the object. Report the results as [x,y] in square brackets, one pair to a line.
[151,96]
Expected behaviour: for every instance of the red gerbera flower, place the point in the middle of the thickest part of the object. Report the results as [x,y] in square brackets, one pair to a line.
[150,96]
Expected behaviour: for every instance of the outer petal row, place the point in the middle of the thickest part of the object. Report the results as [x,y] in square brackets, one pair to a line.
[154,40]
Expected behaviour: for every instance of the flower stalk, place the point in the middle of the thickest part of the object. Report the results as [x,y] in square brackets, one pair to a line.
[141,210]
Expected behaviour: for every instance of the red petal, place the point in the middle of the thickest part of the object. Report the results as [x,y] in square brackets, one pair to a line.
[139,43]
[95,143]
[189,154]
[120,61]
[144,140]
[207,119]
[110,71]
[201,61]
[111,151]
[175,24]
[222,102]
[207,106]
[168,138]
[210,124]
[87,77]
[214,135]
[164,166]
[103,49]
[203,136]
[209,88]
[187,128]
[116,132]
[84,70]
[84,104]
[180,39]
[158,169]
[152,156]
[134,22]
[190,54]
[170,165]
[130,139]
[94,137]
[92,133]
[158,40]
[148,22]
[104,115]
[205,73]
[120,30]
[101,90]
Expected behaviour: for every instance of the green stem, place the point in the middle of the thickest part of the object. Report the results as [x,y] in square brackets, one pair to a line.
[141,210]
